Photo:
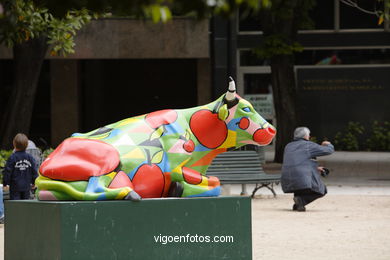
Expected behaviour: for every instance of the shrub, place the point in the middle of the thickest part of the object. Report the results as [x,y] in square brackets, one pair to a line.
[4,155]
[379,139]
[46,153]
[348,140]
[313,139]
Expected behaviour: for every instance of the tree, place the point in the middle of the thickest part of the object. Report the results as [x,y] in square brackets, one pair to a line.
[280,26]
[31,28]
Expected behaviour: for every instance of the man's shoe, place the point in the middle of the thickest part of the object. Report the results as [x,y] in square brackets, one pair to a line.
[298,206]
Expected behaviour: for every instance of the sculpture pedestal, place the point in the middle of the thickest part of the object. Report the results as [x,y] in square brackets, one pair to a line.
[193,228]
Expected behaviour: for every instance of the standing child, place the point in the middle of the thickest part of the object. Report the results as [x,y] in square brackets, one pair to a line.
[20,171]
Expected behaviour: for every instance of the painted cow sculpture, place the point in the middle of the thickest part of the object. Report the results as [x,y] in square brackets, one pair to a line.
[160,154]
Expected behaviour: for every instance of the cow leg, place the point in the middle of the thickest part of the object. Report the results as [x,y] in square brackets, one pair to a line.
[113,186]
[209,187]
[121,180]
[176,189]
[194,184]
[107,187]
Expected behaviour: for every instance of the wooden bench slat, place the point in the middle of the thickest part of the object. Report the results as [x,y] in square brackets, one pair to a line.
[237,166]
[231,172]
[250,176]
[242,167]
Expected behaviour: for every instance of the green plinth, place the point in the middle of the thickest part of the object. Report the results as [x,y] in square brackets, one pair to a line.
[150,229]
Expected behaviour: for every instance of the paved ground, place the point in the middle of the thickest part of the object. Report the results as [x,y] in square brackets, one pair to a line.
[351,222]
[335,227]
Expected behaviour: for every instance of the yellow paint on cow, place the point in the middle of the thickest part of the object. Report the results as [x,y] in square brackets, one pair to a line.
[205,182]
[230,140]
[134,154]
[127,121]
[179,168]
[97,137]
[111,175]
[123,193]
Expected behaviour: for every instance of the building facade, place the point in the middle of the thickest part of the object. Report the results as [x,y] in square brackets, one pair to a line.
[120,68]
[123,68]
[342,74]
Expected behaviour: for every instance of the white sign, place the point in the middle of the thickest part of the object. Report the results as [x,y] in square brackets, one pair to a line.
[262,103]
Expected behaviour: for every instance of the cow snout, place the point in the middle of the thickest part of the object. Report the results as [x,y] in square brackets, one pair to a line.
[264,136]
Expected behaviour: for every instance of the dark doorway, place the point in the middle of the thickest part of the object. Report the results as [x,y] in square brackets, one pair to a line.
[117,89]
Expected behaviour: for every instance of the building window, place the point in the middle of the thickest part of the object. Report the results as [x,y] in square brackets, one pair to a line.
[329,15]
[334,57]
[249,21]
[248,58]
[360,18]
[257,83]
[323,15]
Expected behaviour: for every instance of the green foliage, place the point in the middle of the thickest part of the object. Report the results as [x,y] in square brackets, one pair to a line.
[277,44]
[379,139]
[23,20]
[314,139]
[228,7]
[157,13]
[357,137]
[61,32]
[4,155]
[207,8]
[280,25]
[59,22]
[47,152]
[348,139]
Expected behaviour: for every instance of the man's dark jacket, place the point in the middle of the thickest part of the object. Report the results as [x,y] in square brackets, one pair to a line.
[299,170]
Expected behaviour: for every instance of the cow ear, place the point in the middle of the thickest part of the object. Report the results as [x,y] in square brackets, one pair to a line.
[223,112]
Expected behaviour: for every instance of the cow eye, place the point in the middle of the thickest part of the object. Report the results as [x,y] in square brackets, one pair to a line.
[246,109]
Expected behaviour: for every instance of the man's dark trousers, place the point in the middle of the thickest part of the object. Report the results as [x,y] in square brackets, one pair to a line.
[308,196]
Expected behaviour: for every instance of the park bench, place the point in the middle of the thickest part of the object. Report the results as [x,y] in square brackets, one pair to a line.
[243,167]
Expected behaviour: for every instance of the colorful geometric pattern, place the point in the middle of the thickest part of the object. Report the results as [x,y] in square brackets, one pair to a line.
[149,155]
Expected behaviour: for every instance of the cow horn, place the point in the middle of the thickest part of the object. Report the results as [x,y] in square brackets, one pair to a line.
[231,93]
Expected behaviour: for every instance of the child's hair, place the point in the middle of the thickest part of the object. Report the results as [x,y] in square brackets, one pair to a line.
[20,142]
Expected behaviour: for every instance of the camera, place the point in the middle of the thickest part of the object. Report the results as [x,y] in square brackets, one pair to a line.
[325,172]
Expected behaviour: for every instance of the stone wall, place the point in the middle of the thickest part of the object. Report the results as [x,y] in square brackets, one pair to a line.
[135,39]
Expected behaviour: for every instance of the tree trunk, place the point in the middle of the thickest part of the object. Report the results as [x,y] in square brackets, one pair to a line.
[284,91]
[284,20]
[28,60]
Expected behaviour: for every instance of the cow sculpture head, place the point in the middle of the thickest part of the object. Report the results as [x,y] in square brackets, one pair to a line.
[232,123]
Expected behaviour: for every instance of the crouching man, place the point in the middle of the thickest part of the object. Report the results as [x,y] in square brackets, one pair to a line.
[300,170]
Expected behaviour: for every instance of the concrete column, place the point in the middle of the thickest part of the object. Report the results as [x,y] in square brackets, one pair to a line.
[65,105]
[223,53]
